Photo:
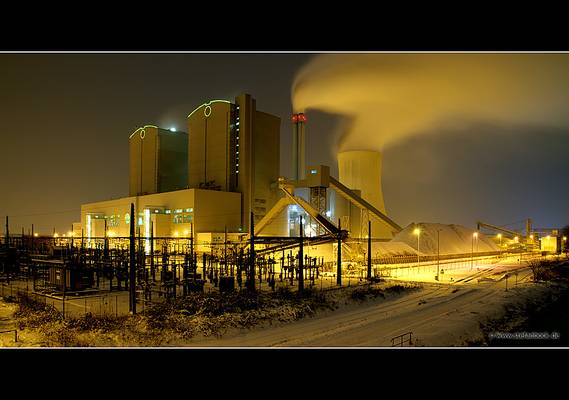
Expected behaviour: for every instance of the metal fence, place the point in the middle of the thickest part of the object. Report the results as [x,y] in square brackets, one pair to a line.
[107,304]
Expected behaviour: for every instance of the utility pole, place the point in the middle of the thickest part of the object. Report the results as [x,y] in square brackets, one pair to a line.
[369,251]
[301,260]
[64,279]
[192,255]
[339,260]
[132,296]
[225,250]
[7,238]
[252,254]
[152,272]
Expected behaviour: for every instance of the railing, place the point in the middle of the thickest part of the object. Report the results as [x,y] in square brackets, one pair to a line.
[401,339]
[15,334]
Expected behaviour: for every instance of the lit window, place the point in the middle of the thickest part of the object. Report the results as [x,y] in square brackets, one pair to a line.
[313,171]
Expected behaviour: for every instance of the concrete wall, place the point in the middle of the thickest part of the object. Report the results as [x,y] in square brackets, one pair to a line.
[209,128]
[208,210]
[266,142]
[172,161]
[157,160]
[143,160]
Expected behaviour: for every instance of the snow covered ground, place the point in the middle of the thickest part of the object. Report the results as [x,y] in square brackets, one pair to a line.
[438,315]
[447,312]
[453,239]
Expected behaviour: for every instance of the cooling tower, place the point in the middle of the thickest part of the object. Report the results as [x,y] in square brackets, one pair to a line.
[361,172]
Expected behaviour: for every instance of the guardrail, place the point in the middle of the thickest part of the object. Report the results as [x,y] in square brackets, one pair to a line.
[402,339]
[15,334]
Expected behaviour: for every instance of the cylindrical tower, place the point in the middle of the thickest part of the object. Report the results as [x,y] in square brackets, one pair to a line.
[361,171]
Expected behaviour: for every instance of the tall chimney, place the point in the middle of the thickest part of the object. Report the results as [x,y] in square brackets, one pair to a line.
[301,147]
[295,147]
[298,146]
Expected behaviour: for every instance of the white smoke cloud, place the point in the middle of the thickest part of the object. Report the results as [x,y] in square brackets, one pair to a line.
[391,97]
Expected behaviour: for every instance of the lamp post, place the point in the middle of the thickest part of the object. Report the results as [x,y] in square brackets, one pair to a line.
[500,237]
[474,236]
[438,253]
[417,232]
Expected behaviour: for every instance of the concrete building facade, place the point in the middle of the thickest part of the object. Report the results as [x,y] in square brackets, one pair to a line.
[169,214]
[158,160]
[236,148]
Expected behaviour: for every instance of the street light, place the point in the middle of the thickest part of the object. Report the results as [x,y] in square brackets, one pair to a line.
[438,252]
[474,236]
[417,232]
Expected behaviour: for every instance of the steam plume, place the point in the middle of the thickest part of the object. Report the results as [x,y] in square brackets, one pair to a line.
[390,97]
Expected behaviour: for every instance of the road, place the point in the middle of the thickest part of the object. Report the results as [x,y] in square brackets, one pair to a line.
[438,315]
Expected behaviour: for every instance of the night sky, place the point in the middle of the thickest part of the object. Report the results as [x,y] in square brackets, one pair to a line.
[66,119]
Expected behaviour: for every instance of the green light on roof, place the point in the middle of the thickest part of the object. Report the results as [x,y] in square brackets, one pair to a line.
[142,128]
[207,104]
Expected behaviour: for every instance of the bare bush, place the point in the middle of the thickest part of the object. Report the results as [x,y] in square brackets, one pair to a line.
[541,270]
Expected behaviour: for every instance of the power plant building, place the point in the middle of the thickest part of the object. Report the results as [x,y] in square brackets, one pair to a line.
[236,148]
[209,179]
